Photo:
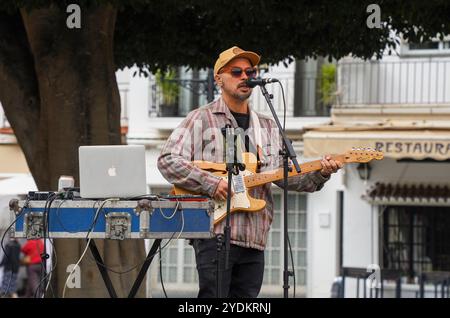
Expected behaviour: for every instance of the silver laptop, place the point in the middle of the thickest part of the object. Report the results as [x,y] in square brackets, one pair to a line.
[112,171]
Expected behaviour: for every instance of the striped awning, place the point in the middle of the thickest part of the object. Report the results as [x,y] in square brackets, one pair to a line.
[408,194]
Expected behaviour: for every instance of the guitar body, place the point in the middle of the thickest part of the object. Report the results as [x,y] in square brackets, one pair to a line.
[241,201]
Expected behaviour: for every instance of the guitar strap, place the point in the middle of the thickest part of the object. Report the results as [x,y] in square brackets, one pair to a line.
[257,136]
[256,126]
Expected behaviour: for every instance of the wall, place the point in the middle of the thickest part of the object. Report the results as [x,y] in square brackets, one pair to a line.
[322,239]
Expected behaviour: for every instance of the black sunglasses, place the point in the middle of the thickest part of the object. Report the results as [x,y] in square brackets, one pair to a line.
[237,71]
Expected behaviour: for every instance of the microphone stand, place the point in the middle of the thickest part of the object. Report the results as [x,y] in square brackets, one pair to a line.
[233,165]
[287,152]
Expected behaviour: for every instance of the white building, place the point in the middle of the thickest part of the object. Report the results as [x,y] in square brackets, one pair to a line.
[398,216]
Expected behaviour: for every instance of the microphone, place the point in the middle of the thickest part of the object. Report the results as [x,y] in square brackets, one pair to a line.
[252,82]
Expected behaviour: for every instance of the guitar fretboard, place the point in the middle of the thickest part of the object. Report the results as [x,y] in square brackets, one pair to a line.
[275,175]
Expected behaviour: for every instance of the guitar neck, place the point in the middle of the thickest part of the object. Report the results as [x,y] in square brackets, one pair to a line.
[275,175]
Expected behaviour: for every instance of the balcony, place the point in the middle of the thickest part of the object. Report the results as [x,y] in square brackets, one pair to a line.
[305,97]
[259,103]
[406,82]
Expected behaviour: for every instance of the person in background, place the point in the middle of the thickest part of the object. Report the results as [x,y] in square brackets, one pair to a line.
[33,250]
[11,265]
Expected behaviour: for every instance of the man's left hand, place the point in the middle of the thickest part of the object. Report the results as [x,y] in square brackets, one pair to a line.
[329,166]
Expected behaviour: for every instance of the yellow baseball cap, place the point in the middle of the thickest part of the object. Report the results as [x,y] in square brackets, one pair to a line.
[226,56]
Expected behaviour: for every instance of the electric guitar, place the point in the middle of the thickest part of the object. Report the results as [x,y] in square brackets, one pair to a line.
[241,201]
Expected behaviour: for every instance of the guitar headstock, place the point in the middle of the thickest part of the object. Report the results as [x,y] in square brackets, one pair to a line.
[363,155]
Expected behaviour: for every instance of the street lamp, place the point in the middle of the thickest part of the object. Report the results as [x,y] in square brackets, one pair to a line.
[364,170]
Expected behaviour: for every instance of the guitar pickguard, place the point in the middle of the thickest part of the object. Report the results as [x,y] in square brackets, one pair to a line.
[239,201]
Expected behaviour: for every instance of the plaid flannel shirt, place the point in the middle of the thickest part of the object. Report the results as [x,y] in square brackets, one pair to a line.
[199,137]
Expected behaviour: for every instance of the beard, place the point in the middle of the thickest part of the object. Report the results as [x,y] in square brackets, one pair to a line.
[238,95]
[242,96]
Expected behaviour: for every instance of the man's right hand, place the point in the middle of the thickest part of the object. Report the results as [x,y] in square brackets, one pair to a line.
[221,191]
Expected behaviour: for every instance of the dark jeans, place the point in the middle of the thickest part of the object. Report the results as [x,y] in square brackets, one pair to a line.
[242,279]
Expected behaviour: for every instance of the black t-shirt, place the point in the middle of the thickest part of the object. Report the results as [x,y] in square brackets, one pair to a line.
[243,121]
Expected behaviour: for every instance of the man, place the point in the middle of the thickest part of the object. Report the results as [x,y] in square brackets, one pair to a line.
[199,137]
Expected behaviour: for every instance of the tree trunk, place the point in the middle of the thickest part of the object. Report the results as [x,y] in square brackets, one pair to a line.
[77,103]
[19,91]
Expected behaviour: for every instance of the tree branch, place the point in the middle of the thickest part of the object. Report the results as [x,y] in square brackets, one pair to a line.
[19,91]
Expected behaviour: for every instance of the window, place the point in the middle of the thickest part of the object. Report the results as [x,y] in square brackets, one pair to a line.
[416,239]
[178,261]
[297,234]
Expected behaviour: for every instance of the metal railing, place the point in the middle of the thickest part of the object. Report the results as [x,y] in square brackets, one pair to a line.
[191,94]
[310,100]
[435,284]
[418,81]
[361,275]
[440,281]
[259,103]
